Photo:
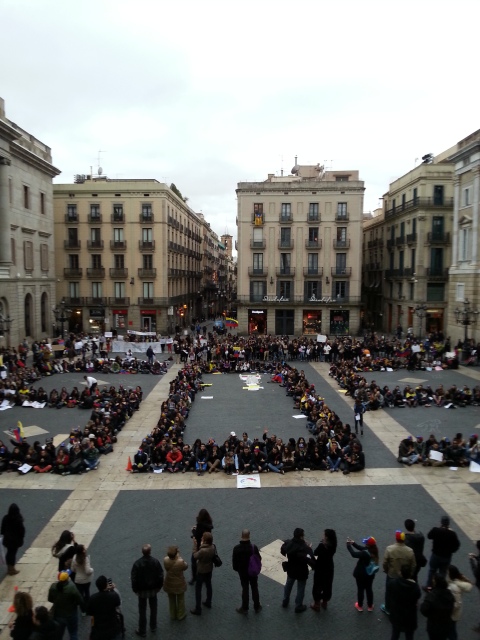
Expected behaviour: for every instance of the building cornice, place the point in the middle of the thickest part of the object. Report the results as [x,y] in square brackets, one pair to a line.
[8,133]
[34,160]
[29,231]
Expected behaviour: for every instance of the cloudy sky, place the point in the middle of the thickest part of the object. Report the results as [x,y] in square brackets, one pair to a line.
[206,93]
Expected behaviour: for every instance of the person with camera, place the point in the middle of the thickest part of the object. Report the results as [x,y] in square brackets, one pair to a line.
[203,556]
[103,607]
[299,559]
[364,572]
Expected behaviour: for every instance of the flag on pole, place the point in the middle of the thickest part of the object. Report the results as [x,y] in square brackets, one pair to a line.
[231,323]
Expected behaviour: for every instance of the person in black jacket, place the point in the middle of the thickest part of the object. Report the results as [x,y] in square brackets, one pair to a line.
[365,554]
[147,580]
[13,532]
[416,541]
[324,570]
[404,594]
[203,524]
[445,543]
[299,558]
[103,607]
[45,627]
[437,608]
[240,562]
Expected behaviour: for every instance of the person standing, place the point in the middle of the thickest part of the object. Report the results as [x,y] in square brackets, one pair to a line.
[175,584]
[66,599]
[358,411]
[324,570]
[404,595]
[13,532]
[91,383]
[83,572]
[458,584]
[203,523]
[147,580]
[299,558]
[203,556]
[395,556]
[445,543]
[45,628]
[475,566]
[365,554]
[22,627]
[242,552]
[438,608]
[416,541]
[103,607]
[150,355]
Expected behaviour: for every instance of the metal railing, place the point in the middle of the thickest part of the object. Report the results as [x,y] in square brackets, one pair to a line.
[344,272]
[309,272]
[96,272]
[313,244]
[147,273]
[119,273]
[341,244]
[420,203]
[73,273]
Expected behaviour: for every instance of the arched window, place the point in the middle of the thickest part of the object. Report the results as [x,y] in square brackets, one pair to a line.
[43,311]
[28,314]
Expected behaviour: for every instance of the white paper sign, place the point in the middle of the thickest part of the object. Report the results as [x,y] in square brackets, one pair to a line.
[474,467]
[25,468]
[248,482]
[435,455]
[321,338]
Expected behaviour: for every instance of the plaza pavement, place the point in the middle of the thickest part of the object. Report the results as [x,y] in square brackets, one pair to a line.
[114,512]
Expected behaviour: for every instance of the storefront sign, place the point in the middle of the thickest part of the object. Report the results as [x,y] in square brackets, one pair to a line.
[97,313]
[325,299]
[120,312]
[147,313]
[275,299]
[255,311]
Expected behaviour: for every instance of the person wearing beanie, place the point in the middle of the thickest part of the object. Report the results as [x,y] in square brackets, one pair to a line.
[66,599]
[299,558]
[366,554]
[444,544]
[396,555]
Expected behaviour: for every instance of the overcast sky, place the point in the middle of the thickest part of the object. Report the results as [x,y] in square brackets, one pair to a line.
[207,93]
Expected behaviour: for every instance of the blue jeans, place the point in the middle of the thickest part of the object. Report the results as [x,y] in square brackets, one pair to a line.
[300,591]
[334,465]
[91,464]
[277,468]
[437,565]
[70,623]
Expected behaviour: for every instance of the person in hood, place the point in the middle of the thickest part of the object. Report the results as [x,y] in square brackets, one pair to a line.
[404,595]
[299,558]
[438,608]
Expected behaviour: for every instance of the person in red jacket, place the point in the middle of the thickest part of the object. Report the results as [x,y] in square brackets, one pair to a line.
[174,460]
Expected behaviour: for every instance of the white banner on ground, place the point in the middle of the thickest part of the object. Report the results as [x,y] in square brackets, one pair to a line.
[248,482]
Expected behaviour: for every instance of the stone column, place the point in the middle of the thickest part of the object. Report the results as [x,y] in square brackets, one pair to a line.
[456,204]
[5,247]
[475,212]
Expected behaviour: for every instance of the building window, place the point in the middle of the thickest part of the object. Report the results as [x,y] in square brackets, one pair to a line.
[284,289]
[13,250]
[148,262]
[313,235]
[42,209]
[28,313]
[341,210]
[340,262]
[341,235]
[147,235]
[146,211]
[312,263]
[118,236]
[96,261]
[28,255]
[258,262]
[95,236]
[313,211]
[258,213]
[285,263]
[148,290]
[10,191]
[286,211]
[44,257]
[438,195]
[435,292]
[96,290]
[119,289]
[119,261]
[94,212]
[74,290]
[313,289]
[285,236]
[72,212]
[258,289]
[340,289]
[464,244]
[466,197]
[459,292]
[26,197]
[415,195]
[436,261]
[73,262]
[43,311]
[118,212]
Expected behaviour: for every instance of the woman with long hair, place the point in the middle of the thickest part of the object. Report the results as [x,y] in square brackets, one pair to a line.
[204,524]
[458,584]
[324,570]
[64,549]
[83,571]
[13,532]
[22,626]
[365,554]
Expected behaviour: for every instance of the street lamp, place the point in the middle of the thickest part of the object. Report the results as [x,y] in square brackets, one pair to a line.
[5,322]
[421,311]
[466,316]
[59,314]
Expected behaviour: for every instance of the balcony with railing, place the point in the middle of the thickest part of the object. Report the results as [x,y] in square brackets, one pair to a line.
[285,218]
[341,244]
[146,218]
[438,238]
[96,272]
[94,218]
[147,273]
[117,218]
[261,272]
[285,272]
[257,244]
[96,245]
[312,272]
[400,241]
[434,273]
[341,272]
[145,245]
[72,301]
[411,238]
[312,218]
[390,243]
[258,219]
[121,274]
[342,216]
[73,272]
[376,242]
[420,203]
[313,244]
[71,218]
[99,301]
[121,302]
[72,244]
[285,244]
[118,245]
[152,302]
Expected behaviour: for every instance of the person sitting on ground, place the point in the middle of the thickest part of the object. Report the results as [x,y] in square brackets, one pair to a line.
[406,452]
[354,461]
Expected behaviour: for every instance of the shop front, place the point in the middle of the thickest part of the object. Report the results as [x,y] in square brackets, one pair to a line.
[119,324]
[312,321]
[148,319]
[96,321]
[284,322]
[339,322]
[434,322]
[257,321]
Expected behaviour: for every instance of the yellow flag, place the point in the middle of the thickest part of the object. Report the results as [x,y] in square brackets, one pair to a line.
[20,426]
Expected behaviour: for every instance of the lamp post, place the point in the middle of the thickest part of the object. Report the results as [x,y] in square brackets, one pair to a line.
[421,311]
[5,322]
[59,313]
[466,316]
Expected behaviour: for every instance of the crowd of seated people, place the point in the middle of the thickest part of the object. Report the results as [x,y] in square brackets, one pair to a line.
[431,452]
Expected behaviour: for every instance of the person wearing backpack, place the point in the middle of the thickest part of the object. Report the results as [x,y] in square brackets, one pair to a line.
[247,562]
[365,569]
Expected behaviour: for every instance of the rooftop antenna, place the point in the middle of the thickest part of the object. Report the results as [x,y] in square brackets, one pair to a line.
[100,170]
[281,170]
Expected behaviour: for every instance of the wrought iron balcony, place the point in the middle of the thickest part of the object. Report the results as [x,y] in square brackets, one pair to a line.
[438,238]
[342,216]
[99,301]
[96,272]
[285,244]
[341,272]
[123,302]
[437,274]
[72,244]
[310,272]
[341,244]
[147,273]
[71,218]
[411,238]
[118,245]
[313,244]
[94,218]
[117,218]
[73,273]
[259,272]
[286,272]
[257,244]
[285,218]
[119,273]
[420,203]
[94,244]
[146,218]
[146,245]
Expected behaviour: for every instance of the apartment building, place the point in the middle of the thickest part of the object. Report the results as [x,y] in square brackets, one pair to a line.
[373,270]
[417,239]
[129,255]
[464,282]
[27,258]
[299,253]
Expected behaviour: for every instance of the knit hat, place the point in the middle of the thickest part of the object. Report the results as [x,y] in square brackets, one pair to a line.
[370,542]
[399,536]
[63,576]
